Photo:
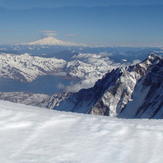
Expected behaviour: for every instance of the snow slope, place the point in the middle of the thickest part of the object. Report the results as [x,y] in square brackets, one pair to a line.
[34,135]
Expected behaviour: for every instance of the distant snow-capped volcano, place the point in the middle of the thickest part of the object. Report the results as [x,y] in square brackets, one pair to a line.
[53,41]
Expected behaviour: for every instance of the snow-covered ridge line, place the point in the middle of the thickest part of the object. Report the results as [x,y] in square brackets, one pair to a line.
[134,91]
[27,68]
[89,68]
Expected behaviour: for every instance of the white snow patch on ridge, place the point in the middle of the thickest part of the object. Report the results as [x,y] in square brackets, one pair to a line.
[30,134]
[27,68]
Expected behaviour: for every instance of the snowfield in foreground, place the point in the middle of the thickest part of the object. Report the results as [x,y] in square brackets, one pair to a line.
[33,135]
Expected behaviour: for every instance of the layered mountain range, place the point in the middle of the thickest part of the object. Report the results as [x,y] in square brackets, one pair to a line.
[134,91]
[27,68]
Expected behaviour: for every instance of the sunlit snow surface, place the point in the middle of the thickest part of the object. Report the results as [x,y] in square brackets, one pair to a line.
[33,135]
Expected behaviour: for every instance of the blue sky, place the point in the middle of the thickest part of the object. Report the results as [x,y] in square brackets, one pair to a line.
[106,22]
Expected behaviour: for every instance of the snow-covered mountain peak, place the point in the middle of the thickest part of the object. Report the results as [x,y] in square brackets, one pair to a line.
[132,91]
[52,41]
[152,59]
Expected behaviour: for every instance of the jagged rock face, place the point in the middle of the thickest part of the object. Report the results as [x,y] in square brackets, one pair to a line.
[134,91]
[83,100]
[148,95]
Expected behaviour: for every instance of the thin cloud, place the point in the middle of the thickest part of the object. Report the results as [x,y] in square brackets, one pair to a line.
[49,33]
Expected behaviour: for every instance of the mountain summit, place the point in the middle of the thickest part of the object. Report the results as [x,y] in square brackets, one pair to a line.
[134,91]
[52,41]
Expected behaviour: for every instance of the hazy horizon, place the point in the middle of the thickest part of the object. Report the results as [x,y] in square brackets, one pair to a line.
[105,22]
